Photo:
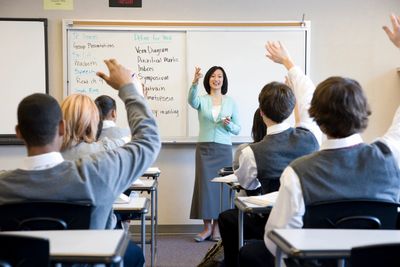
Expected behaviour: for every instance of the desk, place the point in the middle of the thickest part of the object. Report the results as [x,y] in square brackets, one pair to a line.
[83,246]
[136,205]
[245,207]
[326,243]
[151,187]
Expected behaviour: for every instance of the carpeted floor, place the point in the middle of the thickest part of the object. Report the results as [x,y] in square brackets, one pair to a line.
[178,251]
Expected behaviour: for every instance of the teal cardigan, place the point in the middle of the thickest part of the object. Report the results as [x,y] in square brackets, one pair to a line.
[210,130]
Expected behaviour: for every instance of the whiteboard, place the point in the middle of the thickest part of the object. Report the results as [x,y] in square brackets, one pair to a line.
[23,68]
[165,54]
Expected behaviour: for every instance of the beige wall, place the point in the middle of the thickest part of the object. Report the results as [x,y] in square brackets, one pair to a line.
[346,39]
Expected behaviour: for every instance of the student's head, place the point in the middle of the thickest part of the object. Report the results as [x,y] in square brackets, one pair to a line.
[340,107]
[216,77]
[276,101]
[81,116]
[259,129]
[107,107]
[39,118]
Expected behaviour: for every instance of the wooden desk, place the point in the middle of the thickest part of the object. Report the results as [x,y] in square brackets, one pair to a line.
[150,186]
[83,246]
[136,205]
[245,207]
[326,243]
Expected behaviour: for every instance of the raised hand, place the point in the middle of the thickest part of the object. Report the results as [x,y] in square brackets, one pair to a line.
[197,75]
[119,75]
[394,34]
[278,54]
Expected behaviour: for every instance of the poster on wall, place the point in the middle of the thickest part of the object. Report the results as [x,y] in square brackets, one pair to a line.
[125,3]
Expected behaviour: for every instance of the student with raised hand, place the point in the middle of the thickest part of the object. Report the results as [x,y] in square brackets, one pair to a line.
[108,109]
[344,168]
[394,33]
[218,120]
[97,179]
[262,163]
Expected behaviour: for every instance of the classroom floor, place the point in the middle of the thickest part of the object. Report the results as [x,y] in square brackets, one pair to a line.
[178,251]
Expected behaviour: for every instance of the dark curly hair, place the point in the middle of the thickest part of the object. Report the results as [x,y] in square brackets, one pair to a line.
[340,107]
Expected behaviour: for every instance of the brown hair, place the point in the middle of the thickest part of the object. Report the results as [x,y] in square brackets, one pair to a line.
[277,101]
[81,117]
[340,107]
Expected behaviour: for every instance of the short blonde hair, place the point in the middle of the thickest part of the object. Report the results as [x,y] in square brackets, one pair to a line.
[81,117]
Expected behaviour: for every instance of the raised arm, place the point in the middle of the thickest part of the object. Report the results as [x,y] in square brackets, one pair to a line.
[193,98]
[131,160]
[302,86]
[394,33]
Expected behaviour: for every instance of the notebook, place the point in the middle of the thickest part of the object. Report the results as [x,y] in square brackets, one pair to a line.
[263,200]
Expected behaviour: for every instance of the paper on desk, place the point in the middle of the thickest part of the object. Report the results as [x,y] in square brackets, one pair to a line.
[153,170]
[122,199]
[231,178]
[138,182]
[263,200]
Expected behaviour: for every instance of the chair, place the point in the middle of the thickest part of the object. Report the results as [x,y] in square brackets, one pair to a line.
[44,215]
[376,255]
[351,214]
[24,251]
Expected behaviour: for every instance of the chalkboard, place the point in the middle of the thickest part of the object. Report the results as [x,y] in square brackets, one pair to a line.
[165,54]
[23,68]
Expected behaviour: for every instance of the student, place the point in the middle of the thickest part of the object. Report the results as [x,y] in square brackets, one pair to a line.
[218,120]
[344,168]
[108,109]
[262,163]
[98,178]
[394,34]
[258,131]
[82,118]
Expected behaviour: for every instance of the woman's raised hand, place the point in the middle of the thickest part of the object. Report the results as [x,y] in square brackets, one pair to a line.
[197,75]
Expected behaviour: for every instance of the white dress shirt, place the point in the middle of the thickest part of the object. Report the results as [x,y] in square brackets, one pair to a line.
[42,162]
[108,124]
[303,89]
[289,207]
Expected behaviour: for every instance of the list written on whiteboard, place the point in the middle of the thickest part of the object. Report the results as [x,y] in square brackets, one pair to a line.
[157,57]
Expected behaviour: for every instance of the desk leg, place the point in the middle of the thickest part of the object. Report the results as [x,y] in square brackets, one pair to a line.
[156,221]
[152,228]
[278,258]
[240,224]
[143,234]
[221,189]
[341,263]
[230,198]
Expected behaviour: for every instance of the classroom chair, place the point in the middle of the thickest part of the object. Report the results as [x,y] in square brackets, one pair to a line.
[23,251]
[44,215]
[375,255]
[351,214]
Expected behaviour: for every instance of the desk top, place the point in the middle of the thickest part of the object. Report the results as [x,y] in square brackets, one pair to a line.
[82,246]
[145,184]
[139,204]
[318,243]
[250,207]
[152,172]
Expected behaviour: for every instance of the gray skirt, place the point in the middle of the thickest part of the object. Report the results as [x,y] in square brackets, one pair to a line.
[210,158]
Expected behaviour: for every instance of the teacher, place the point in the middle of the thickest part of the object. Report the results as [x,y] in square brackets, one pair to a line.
[218,120]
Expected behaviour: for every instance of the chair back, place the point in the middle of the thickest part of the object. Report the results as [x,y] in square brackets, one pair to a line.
[24,251]
[376,255]
[351,214]
[44,215]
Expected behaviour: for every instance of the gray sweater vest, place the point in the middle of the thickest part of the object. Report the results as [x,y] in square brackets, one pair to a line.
[274,153]
[361,171]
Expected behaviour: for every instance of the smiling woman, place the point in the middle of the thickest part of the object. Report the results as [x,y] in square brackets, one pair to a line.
[218,120]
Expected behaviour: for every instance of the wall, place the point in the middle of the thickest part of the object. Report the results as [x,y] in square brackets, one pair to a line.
[346,39]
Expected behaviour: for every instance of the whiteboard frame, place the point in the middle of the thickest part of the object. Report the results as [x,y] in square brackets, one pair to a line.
[186,26]
[11,138]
